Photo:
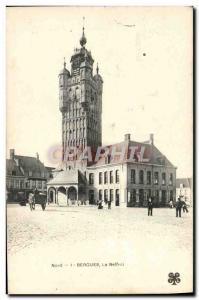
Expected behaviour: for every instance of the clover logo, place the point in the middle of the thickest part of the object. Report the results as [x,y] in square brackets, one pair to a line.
[174,278]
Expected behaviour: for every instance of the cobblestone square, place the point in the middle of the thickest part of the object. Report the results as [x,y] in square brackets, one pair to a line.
[83,249]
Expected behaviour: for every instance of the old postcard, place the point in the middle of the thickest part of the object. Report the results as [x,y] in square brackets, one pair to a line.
[99,168]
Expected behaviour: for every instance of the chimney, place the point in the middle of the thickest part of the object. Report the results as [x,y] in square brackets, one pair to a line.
[37,156]
[127,137]
[152,138]
[12,154]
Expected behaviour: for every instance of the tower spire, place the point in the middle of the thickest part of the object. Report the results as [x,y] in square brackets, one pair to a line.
[97,69]
[83,38]
[64,63]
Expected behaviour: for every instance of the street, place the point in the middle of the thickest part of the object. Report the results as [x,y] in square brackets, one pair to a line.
[52,251]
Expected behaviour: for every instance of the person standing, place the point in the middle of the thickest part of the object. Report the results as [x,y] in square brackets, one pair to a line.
[184,207]
[109,204]
[150,207]
[30,200]
[179,204]
[171,204]
[43,201]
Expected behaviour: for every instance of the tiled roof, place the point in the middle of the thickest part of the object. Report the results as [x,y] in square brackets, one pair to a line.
[65,177]
[23,165]
[150,152]
[30,163]
[12,168]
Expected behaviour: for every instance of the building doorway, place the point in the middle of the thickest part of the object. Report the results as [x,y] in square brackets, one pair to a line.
[117,197]
[91,197]
[164,198]
[61,195]
[82,195]
[141,197]
[72,194]
[52,195]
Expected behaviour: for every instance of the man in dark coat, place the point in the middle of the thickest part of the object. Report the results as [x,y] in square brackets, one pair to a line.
[150,207]
[109,204]
[179,204]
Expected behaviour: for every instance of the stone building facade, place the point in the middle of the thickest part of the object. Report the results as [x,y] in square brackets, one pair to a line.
[127,173]
[130,182]
[24,174]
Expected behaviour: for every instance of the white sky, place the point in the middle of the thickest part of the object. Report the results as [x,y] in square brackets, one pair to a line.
[142,94]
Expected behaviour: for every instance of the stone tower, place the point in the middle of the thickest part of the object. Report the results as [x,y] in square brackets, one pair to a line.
[80,101]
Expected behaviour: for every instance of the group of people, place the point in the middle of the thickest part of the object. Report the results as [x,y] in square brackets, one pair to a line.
[180,204]
[100,206]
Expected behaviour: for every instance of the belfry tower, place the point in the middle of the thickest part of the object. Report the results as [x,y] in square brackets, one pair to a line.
[80,101]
